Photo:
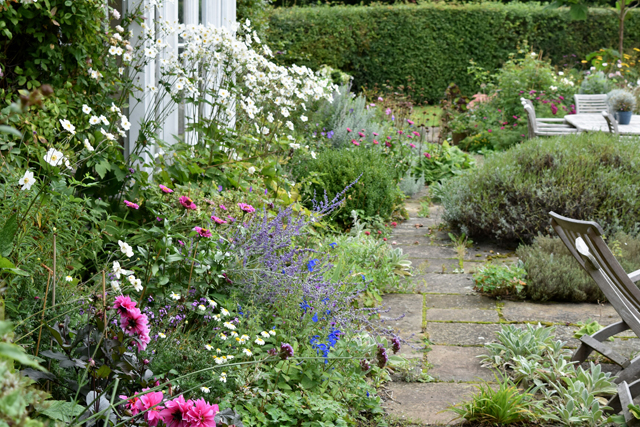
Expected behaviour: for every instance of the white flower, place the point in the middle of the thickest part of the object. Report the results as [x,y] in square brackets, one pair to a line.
[104,120]
[113,50]
[125,123]
[117,270]
[223,377]
[533,54]
[270,118]
[137,285]
[216,317]
[88,145]
[272,332]
[229,325]
[224,312]
[218,351]
[251,170]
[94,120]
[223,336]
[205,389]
[247,352]
[209,347]
[119,28]
[285,111]
[212,303]
[223,93]
[553,88]
[117,37]
[218,360]
[69,279]
[86,109]
[201,307]
[259,341]
[115,285]
[115,13]
[125,248]
[294,146]
[127,57]
[161,335]
[107,135]
[604,64]
[114,108]
[174,296]
[131,279]
[303,118]
[313,154]
[66,124]
[265,334]
[121,70]
[289,125]
[27,180]
[560,73]
[150,52]
[54,157]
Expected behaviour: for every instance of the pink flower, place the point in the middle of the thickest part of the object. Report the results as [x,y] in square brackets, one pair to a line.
[388,144]
[388,111]
[367,233]
[151,401]
[427,155]
[412,145]
[223,207]
[348,130]
[124,305]
[410,121]
[361,135]
[380,98]
[354,142]
[197,229]
[489,130]
[131,205]
[165,189]
[400,132]
[393,224]
[416,133]
[175,412]
[187,203]
[203,232]
[388,137]
[143,339]
[134,323]
[375,142]
[218,220]
[247,208]
[375,134]
[202,414]
[131,403]
[501,127]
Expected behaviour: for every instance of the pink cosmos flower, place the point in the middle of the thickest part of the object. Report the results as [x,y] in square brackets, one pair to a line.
[412,145]
[427,155]
[375,142]
[246,207]
[134,323]
[131,205]
[218,220]
[223,207]
[410,121]
[501,127]
[361,135]
[165,189]
[203,232]
[400,132]
[416,133]
[375,134]
[187,203]
[124,305]
[354,142]
[202,414]
[489,130]
[151,401]
[197,229]
[175,412]
[348,130]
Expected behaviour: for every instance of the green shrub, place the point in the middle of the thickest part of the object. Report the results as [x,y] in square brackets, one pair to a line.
[439,162]
[587,177]
[375,194]
[553,274]
[434,42]
[596,83]
[500,281]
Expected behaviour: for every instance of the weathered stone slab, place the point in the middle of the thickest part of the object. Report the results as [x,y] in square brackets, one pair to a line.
[409,240]
[628,348]
[559,313]
[461,333]
[413,349]
[462,315]
[425,265]
[409,305]
[459,301]
[444,283]
[452,363]
[425,402]
[430,252]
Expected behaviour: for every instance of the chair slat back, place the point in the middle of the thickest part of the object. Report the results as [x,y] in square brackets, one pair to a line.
[531,120]
[584,241]
[612,123]
[591,104]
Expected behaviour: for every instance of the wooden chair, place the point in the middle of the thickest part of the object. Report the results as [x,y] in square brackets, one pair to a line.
[584,241]
[612,123]
[545,127]
[591,104]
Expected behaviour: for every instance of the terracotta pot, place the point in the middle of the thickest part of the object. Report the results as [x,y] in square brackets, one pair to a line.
[458,136]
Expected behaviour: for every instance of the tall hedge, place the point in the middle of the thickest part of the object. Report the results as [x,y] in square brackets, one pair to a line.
[433,43]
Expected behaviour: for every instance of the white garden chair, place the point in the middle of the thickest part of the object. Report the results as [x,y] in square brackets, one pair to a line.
[612,123]
[545,127]
[591,104]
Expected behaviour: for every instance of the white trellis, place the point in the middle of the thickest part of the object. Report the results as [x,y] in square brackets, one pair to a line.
[218,13]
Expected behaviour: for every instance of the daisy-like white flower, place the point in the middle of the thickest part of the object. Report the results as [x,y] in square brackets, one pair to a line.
[218,360]
[161,335]
[223,337]
[224,312]
[272,332]
[202,307]
[117,37]
[304,118]
[54,157]
[107,135]
[174,296]
[121,70]
[205,389]
[88,145]
[285,111]
[223,377]
[66,125]
[125,248]
[230,357]
[209,347]
[229,325]
[127,57]
[94,120]
[126,125]
[289,125]
[247,352]
[119,51]
[259,341]
[265,334]
[86,109]
[137,285]
[27,180]
[251,170]
[115,285]
[113,50]
[223,93]
[216,317]
[69,279]
[117,270]
[119,28]
[131,278]
[212,303]
[270,117]
[104,120]
[218,351]
[234,334]
[313,154]
[114,108]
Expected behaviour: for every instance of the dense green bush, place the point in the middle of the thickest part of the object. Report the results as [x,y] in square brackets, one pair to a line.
[433,43]
[375,194]
[588,177]
[553,274]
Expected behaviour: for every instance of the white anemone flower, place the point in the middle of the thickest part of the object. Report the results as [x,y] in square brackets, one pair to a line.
[54,157]
[104,120]
[251,170]
[66,125]
[115,285]
[88,145]
[94,120]
[304,118]
[27,180]
[86,109]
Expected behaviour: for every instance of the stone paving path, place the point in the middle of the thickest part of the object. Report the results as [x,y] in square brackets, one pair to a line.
[447,317]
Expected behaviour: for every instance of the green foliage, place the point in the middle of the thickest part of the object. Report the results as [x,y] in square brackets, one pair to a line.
[587,177]
[588,328]
[500,281]
[375,194]
[441,161]
[596,83]
[554,275]
[382,44]
[529,342]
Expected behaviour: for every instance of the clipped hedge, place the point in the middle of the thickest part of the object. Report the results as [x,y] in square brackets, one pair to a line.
[587,177]
[433,43]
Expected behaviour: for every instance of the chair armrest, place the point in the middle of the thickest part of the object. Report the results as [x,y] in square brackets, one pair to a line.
[634,276]
[551,120]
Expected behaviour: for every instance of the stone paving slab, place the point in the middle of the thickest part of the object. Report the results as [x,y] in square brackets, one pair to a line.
[407,240]
[627,348]
[559,313]
[451,363]
[444,283]
[461,315]
[414,349]
[430,252]
[459,301]
[462,333]
[425,265]
[409,305]
[425,402]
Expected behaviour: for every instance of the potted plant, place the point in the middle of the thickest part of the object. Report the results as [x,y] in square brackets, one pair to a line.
[623,103]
